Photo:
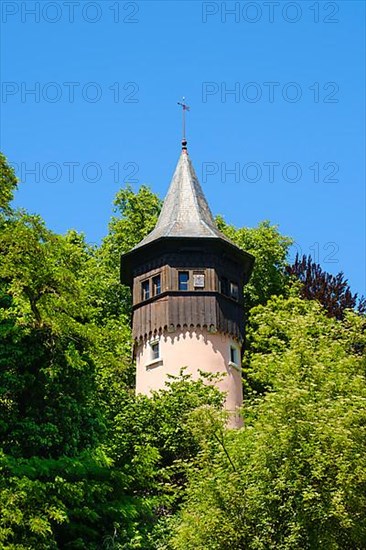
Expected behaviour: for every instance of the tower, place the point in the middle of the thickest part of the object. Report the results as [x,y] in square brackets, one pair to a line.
[187,283]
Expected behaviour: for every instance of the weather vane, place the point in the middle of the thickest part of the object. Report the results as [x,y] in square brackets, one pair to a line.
[184,109]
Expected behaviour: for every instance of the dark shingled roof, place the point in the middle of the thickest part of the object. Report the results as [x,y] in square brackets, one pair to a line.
[185,211]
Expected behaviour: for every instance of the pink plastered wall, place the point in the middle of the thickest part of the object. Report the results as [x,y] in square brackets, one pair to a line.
[197,350]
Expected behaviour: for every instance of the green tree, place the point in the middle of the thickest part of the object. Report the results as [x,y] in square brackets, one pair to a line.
[270,250]
[71,503]
[87,465]
[159,427]
[297,478]
[118,495]
[137,214]
[47,378]
[79,468]
[8,184]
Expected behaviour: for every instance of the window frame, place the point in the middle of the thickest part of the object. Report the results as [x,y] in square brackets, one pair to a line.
[154,358]
[183,282]
[234,356]
[155,286]
[145,294]
[234,295]
[224,286]
[155,344]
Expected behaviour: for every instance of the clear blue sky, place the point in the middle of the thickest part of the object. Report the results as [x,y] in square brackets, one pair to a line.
[297,75]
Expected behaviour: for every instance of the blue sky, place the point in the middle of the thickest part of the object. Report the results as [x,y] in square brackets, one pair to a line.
[287,144]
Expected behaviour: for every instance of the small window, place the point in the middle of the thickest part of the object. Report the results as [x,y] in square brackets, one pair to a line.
[183,278]
[199,279]
[145,290]
[156,285]
[155,351]
[234,355]
[234,291]
[224,286]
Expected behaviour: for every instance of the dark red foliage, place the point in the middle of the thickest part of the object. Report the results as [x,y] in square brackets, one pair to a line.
[332,291]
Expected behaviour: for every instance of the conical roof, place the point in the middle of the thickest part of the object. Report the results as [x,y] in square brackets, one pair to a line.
[185,212]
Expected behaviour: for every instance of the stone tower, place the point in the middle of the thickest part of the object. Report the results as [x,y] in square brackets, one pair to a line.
[187,283]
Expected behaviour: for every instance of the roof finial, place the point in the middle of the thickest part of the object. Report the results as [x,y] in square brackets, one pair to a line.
[184,109]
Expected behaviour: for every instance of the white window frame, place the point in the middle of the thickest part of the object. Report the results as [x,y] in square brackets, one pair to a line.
[143,292]
[155,286]
[236,364]
[154,361]
[187,282]
[152,350]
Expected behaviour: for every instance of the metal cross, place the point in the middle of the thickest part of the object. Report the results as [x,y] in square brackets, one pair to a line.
[184,109]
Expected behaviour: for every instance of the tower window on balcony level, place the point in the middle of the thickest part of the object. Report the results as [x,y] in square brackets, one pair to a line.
[145,290]
[183,280]
[234,291]
[224,286]
[156,282]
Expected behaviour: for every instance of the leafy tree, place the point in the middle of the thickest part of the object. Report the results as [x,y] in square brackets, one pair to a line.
[137,214]
[160,419]
[87,465]
[8,184]
[332,291]
[47,378]
[119,495]
[270,250]
[78,502]
[78,470]
[297,473]
[159,426]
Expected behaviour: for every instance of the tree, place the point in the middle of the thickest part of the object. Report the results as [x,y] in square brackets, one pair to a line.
[270,250]
[77,502]
[84,464]
[298,475]
[137,216]
[8,184]
[47,377]
[332,291]
[77,468]
[117,494]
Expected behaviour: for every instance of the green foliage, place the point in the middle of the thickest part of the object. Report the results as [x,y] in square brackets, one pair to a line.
[137,216]
[162,427]
[40,270]
[66,392]
[120,495]
[87,465]
[47,380]
[8,184]
[161,420]
[299,463]
[270,250]
[67,503]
